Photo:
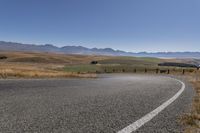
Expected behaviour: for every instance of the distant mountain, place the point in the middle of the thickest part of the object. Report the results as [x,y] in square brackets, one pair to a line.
[12,46]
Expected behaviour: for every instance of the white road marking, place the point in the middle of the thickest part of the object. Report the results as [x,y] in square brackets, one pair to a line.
[136,125]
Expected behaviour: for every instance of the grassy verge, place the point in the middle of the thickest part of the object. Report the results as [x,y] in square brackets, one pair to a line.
[27,70]
[192,119]
[15,73]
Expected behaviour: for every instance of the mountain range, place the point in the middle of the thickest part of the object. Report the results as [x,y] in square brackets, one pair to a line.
[13,46]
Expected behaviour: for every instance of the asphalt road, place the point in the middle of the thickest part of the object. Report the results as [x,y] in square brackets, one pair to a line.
[103,105]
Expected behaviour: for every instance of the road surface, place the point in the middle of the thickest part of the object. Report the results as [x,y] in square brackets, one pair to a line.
[104,105]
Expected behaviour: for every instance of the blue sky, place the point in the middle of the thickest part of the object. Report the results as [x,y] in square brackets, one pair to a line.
[130,25]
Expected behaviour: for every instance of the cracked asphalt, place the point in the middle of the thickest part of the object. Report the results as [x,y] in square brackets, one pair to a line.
[103,105]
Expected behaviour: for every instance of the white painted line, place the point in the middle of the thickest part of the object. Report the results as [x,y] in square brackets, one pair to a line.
[136,125]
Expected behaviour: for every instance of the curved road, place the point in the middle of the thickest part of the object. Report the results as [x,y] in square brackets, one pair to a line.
[106,104]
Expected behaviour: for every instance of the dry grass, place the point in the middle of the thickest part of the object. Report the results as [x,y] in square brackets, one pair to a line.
[30,64]
[42,65]
[192,119]
[22,64]
[16,73]
[28,70]
[30,57]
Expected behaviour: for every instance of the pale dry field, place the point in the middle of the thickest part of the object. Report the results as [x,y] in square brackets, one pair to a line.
[41,65]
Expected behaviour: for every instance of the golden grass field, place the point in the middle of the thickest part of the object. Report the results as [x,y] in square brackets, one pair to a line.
[48,65]
[42,65]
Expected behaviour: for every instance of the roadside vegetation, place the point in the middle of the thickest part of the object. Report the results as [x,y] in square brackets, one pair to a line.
[192,120]
[11,70]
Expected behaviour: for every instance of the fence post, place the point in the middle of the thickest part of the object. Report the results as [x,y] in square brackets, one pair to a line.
[145,70]
[135,70]
[168,71]
[105,71]
[113,70]
[157,70]
[123,70]
[183,71]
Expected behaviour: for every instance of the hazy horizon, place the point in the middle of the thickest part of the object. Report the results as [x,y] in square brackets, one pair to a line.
[98,47]
[133,26]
